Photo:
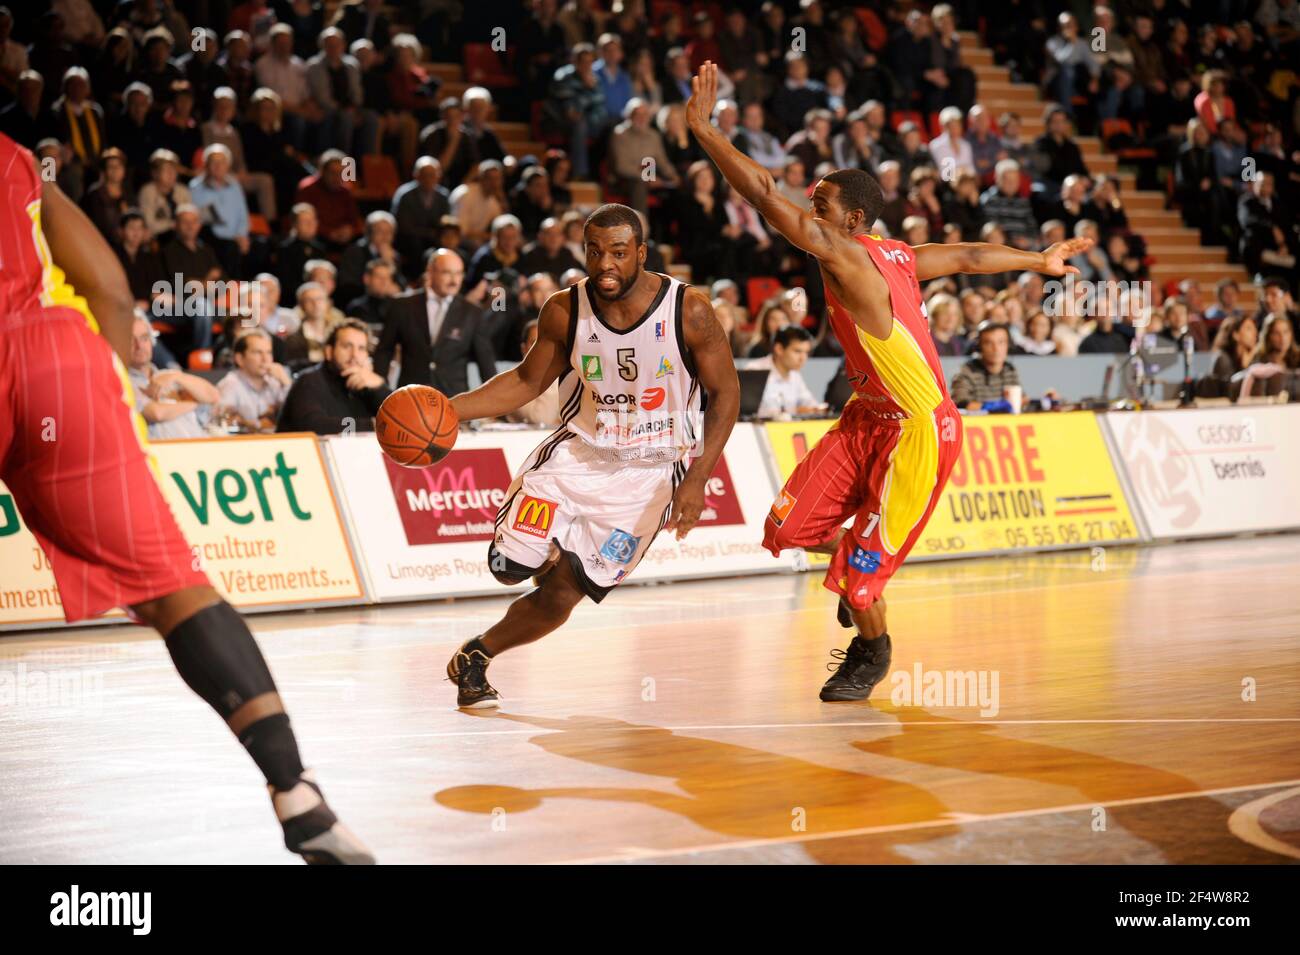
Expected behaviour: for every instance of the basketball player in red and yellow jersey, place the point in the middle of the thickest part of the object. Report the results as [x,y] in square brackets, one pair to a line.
[886,461]
[72,454]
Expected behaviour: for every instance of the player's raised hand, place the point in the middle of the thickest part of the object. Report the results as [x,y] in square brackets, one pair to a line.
[704,96]
[1055,256]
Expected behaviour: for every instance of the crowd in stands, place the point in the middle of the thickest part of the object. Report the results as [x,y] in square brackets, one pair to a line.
[220,148]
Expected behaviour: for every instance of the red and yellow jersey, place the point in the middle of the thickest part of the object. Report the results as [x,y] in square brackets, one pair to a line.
[899,376]
[29,279]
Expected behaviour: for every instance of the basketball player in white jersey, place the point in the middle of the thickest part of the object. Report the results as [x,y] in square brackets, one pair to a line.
[648,397]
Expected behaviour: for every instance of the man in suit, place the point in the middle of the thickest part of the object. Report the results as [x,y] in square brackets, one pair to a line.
[437,329]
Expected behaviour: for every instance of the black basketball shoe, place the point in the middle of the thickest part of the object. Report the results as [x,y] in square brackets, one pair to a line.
[861,667]
[468,670]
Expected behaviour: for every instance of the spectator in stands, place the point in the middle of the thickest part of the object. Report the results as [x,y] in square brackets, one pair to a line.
[796,95]
[945,325]
[324,274]
[680,146]
[236,65]
[1229,151]
[1070,204]
[280,70]
[24,120]
[173,403]
[143,266]
[531,201]
[79,122]
[366,20]
[743,58]
[480,199]
[757,143]
[1213,105]
[218,194]
[156,70]
[418,206]
[334,81]
[343,393]
[1003,204]
[267,148]
[477,104]
[786,392]
[1106,337]
[410,87]
[890,176]
[1235,345]
[300,246]
[544,410]
[912,151]
[1268,234]
[438,329]
[811,145]
[986,377]
[221,129]
[853,146]
[1277,302]
[962,207]
[923,199]
[108,199]
[305,345]
[446,141]
[372,306]
[163,195]
[268,314]
[912,59]
[1038,337]
[1105,208]
[548,252]
[501,252]
[1013,143]
[1072,65]
[710,242]
[1056,154]
[179,130]
[771,319]
[1277,343]
[1226,296]
[983,141]
[1124,98]
[633,141]
[645,81]
[614,82]
[252,393]
[379,242]
[337,214]
[576,105]
[955,82]
[1178,325]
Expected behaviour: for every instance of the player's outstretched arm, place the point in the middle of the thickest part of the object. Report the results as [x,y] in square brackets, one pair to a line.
[936,259]
[716,371]
[750,179]
[545,361]
[88,262]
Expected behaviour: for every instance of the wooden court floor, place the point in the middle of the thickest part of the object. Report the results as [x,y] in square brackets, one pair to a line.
[1139,705]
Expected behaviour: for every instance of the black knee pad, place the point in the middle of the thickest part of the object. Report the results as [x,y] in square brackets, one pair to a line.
[218,659]
[505,570]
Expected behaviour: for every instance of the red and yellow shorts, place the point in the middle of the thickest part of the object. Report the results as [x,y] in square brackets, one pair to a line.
[885,474]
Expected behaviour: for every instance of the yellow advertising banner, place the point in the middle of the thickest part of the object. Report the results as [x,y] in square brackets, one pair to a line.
[257,511]
[1023,482]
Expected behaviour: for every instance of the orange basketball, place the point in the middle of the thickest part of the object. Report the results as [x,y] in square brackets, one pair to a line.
[416,426]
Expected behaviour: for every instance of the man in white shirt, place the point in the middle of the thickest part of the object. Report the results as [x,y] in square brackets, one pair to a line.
[786,391]
[253,392]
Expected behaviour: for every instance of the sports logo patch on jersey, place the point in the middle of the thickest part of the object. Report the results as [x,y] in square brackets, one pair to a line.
[782,507]
[591,368]
[535,516]
[661,331]
[665,367]
[620,547]
[865,561]
[652,398]
[594,339]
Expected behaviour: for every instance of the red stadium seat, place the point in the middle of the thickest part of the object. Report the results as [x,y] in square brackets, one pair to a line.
[483,67]
[379,178]
[905,115]
[935,126]
[200,359]
[659,10]
[758,289]
[257,224]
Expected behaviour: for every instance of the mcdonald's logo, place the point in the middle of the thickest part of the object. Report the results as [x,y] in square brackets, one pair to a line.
[535,515]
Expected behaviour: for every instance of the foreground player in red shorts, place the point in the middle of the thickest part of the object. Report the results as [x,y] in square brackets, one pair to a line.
[72,455]
[886,461]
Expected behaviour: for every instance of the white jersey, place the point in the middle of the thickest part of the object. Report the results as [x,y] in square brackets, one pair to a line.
[633,393]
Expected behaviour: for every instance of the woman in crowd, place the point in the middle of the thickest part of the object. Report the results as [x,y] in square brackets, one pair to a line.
[771,320]
[1038,339]
[1235,344]
[107,199]
[945,325]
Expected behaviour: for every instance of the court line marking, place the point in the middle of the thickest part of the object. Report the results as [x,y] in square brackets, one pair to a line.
[1245,825]
[908,826]
[873,724]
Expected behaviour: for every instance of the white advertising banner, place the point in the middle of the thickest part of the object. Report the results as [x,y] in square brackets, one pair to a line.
[424,532]
[1207,471]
